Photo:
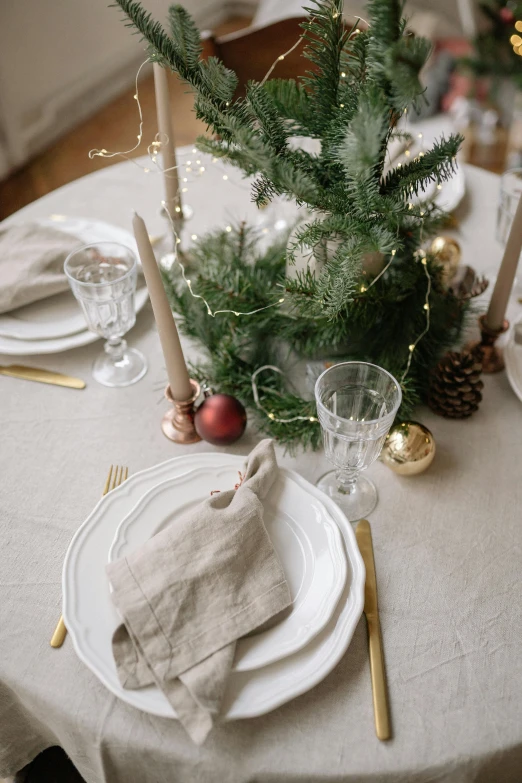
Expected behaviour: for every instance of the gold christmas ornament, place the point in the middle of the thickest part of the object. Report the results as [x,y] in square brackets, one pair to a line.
[448,253]
[409,448]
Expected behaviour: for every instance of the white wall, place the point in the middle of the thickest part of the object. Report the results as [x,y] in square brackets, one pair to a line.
[60,60]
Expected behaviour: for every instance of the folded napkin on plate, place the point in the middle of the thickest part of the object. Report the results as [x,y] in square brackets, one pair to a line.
[192,590]
[31,263]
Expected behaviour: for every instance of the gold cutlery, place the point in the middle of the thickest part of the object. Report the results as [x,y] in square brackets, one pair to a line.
[381,711]
[114,479]
[42,376]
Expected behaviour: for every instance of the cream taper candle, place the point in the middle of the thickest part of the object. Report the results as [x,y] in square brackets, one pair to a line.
[168,147]
[506,274]
[174,360]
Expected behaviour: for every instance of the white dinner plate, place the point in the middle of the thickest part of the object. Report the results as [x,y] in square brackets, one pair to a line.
[57,323]
[91,618]
[304,535]
[513,362]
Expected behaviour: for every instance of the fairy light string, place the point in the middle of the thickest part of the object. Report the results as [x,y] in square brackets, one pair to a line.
[270,414]
[188,281]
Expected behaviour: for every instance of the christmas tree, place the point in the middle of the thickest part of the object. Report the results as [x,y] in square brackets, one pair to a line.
[358,86]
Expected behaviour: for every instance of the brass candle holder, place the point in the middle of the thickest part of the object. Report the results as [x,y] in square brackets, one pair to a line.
[178,423]
[489,354]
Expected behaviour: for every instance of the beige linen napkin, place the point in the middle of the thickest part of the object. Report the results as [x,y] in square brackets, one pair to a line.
[31,263]
[192,590]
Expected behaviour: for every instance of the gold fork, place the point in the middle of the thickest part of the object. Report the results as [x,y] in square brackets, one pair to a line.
[114,479]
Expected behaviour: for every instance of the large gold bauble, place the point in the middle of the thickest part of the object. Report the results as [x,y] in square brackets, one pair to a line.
[448,253]
[409,448]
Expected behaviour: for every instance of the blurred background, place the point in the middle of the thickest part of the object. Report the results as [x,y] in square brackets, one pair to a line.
[67,71]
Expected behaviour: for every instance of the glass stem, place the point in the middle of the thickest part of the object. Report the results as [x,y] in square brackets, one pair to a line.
[115,347]
[346,481]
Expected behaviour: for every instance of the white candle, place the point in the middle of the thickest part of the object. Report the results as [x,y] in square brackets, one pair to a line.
[174,360]
[506,274]
[467,18]
[168,147]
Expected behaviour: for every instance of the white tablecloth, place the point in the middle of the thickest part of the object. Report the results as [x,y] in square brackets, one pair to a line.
[448,556]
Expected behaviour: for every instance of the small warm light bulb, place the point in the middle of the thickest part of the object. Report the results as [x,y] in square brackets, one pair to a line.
[236,313]
[341,105]
[426,307]
[227,103]
[188,282]
[185,179]
[225,176]
[312,418]
[202,168]
[271,416]
[281,301]
[407,153]
[188,169]
[399,165]
[393,252]
[422,213]
[146,171]
[194,237]
[228,228]
[281,57]
[419,135]
[198,162]
[184,190]
[516,40]
[423,261]
[518,26]
[411,347]
[177,209]
[178,241]
[194,150]
[343,75]
[439,187]
[188,163]
[410,206]
[363,289]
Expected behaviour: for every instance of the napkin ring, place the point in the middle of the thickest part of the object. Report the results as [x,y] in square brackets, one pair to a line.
[485,349]
[178,423]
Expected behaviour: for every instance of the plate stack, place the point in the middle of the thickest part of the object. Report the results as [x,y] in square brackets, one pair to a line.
[57,323]
[316,546]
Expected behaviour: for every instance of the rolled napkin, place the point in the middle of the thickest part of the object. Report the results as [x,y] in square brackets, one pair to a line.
[31,263]
[190,592]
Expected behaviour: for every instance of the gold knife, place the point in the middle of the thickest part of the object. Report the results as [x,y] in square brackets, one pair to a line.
[381,711]
[42,376]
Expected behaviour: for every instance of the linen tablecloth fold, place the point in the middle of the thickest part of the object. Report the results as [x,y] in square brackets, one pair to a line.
[31,263]
[192,590]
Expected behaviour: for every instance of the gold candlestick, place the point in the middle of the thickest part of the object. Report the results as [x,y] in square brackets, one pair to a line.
[178,423]
[489,354]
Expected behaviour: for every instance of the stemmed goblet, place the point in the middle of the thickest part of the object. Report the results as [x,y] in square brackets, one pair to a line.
[102,277]
[356,405]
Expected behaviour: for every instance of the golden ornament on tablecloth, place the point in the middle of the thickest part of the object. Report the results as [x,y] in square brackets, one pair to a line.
[409,448]
[448,253]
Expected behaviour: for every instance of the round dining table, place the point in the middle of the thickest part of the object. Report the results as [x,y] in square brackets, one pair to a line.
[448,552]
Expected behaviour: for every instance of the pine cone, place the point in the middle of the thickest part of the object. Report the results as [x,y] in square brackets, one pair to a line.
[455,385]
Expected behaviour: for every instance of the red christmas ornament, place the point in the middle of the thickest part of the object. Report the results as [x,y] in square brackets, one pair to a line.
[507,15]
[220,419]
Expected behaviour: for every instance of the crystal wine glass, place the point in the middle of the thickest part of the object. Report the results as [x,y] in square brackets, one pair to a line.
[102,277]
[356,405]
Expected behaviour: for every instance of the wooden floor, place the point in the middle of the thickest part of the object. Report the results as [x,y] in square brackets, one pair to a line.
[114,127]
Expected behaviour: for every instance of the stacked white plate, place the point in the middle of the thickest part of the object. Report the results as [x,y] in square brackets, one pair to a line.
[312,537]
[57,323]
